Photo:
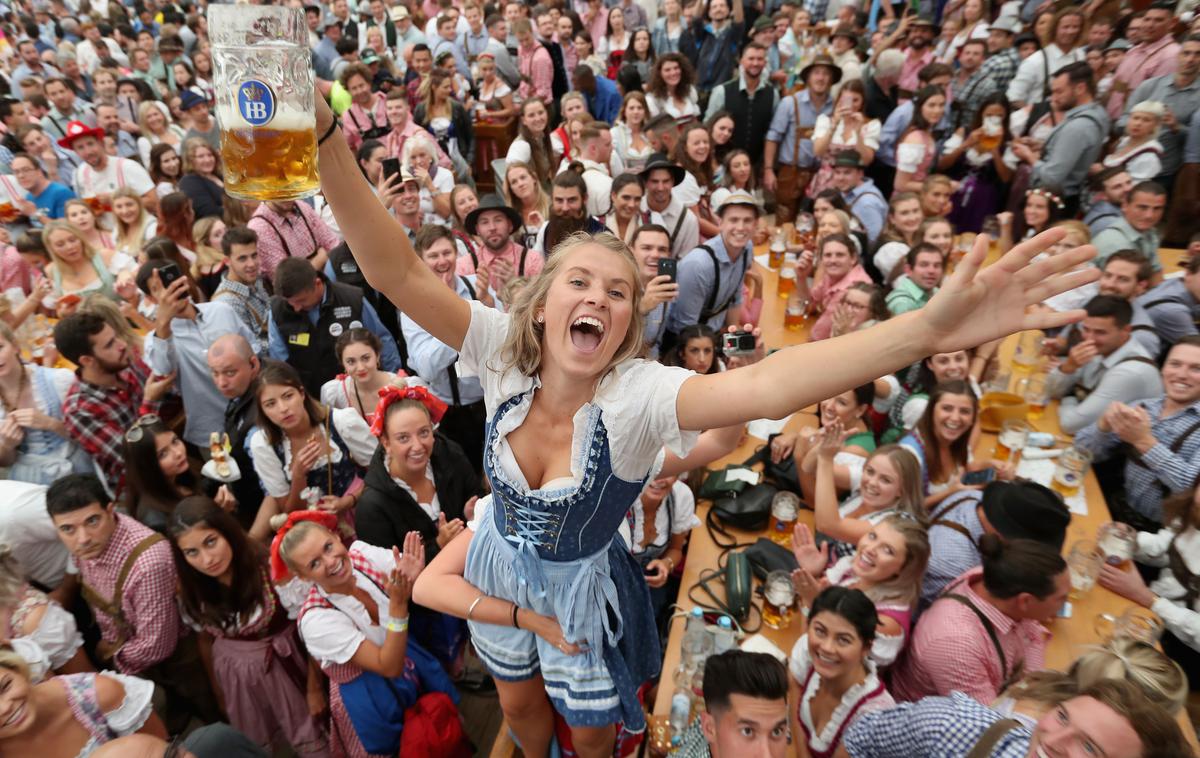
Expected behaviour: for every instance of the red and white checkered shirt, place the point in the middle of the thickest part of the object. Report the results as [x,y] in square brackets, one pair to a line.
[97,418]
[148,602]
[951,649]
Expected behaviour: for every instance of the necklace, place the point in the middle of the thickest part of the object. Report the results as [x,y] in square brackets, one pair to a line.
[22,383]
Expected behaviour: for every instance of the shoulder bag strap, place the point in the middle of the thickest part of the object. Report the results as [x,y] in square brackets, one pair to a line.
[796,111]
[990,738]
[678,223]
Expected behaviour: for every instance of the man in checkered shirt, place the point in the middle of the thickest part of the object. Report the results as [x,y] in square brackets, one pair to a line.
[1111,719]
[127,576]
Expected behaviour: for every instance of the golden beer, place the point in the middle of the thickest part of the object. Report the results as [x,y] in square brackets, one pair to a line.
[785,507]
[793,318]
[1065,483]
[1011,440]
[1069,470]
[1117,542]
[779,595]
[265,101]
[787,282]
[270,164]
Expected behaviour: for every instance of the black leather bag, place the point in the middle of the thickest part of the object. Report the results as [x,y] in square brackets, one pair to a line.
[748,511]
[766,556]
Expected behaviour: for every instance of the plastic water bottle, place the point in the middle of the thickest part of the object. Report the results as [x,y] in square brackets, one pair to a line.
[724,637]
[681,712]
[696,641]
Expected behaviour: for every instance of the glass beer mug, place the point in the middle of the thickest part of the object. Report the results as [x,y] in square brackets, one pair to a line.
[263,81]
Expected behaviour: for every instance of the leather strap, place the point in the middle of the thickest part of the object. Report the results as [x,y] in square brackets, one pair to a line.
[990,738]
[112,607]
[990,628]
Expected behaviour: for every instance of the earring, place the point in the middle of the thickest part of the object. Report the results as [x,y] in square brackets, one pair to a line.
[540,318]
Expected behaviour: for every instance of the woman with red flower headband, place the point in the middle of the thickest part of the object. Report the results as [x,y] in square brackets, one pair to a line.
[577,424]
[419,481]
[387,695]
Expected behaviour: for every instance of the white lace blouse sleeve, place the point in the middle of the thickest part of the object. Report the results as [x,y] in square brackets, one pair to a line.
[640,412]
[884,404]
[268,466]
[1144,167]
[330,635]
[34,656]
[135,707]
[1152,547]
[58,635]
[870,133]
[333,394]
[292,595]
[798,662]
[688,191]
[886,649]
[823,127]
[483,510]
[909,156]
[952,144]
[356,434]
[685,509]
[518,152]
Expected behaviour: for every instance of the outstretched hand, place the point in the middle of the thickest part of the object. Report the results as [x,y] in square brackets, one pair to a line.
[976,306]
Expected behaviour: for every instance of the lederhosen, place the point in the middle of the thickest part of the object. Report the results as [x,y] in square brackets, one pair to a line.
[181,675]
[465,424]
[710,309]
[1018,669]
[1187,656]
[792,181]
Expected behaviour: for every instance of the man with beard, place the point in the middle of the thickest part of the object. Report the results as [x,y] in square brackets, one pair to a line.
[499,259]
[114,389]
[1075,144]
[710,277]
[751,98]
[102,174]
[568,211]
[918,34]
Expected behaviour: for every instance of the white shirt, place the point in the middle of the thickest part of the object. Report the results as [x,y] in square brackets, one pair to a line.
[689,109]
[275,474]
[117,173]
[680,518]
[433,508]
[443,182]
[28,531]
[1029,85]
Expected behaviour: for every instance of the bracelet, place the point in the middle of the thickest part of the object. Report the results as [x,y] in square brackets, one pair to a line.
[328,133]
[474,603]
[394,624]
[516,625]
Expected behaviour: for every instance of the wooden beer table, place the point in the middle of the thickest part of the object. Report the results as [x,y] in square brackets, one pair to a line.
[1070,636]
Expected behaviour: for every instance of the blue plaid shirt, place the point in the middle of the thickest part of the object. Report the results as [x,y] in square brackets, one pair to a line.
[934,727]
[1177,471]
[951,554]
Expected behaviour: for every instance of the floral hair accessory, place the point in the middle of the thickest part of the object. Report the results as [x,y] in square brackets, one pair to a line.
[1050,196]
[392,393]
[279,569]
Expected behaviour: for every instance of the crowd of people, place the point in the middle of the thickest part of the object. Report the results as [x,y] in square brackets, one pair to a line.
[300,475]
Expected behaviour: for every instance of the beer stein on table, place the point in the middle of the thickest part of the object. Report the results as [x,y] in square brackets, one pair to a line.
[1084,562]
[1069,471]
[1117,543]
[263,80]
[785,507]
[1011,440]
[779,595]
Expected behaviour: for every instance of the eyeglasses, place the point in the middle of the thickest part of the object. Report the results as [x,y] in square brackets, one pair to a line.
[135,433]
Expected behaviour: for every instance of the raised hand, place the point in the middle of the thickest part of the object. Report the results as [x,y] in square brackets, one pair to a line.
[448,530]
[811,558]
[976,306]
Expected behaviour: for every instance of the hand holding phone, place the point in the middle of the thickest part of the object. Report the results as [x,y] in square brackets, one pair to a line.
[737,343]
[668,267]
[975,478]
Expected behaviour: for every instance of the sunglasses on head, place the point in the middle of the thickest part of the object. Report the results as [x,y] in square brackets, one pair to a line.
[136,431]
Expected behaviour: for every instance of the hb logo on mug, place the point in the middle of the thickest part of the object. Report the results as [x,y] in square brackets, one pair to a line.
[256,102]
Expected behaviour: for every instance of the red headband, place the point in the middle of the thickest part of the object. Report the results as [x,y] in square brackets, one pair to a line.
[279,569]
[392,393]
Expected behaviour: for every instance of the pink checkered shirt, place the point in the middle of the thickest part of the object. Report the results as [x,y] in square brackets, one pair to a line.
[951,649]
[148,603]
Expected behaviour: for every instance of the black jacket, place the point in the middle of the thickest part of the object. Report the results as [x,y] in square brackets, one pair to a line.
[386,512]
[464,129]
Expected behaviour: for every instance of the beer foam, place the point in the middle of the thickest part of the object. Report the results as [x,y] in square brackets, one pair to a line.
[287,118]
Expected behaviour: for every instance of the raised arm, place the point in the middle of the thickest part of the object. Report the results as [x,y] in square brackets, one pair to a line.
[380,244]
[972,308]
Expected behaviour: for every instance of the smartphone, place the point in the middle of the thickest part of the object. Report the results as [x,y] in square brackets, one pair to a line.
[169,273]
[668,267]
[979,477]
[390,166]
[737,343]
